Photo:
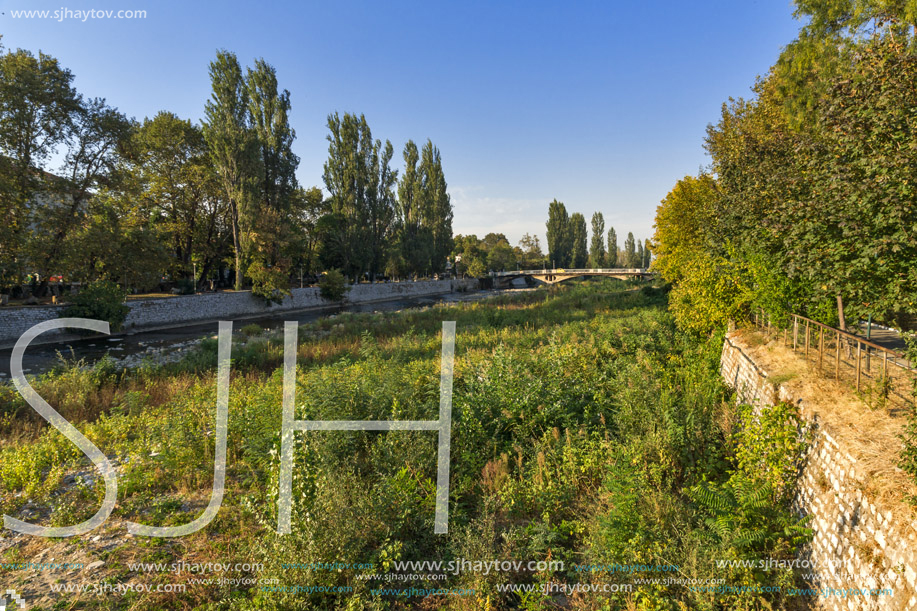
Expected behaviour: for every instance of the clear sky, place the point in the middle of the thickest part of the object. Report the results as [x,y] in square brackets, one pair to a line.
[602,105]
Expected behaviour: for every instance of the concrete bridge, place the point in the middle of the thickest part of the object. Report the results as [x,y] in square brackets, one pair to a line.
[552,276]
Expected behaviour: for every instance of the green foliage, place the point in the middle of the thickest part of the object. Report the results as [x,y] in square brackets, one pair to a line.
[251,330]
[501,257]
[333,285]
[271,284]
[232,146]
[630,251]
[582,421]
[102,300]
[612,248]
[578,236]
[560,235]
[597,242]
[908,461]
[185,286]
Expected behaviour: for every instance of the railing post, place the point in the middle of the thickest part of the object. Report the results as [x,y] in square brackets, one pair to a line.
[807,339]
[795,331]
[859,350]
[821,348]
[837,357]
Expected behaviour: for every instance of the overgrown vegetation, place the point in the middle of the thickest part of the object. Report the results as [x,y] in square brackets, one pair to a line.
[101,300]
[809,200]
[333,285]
[586,428]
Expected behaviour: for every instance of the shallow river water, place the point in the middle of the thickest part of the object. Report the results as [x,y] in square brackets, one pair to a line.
[168,344]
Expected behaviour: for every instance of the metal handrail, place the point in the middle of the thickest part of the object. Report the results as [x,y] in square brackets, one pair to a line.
[527,272]
[849,335]
[866,351]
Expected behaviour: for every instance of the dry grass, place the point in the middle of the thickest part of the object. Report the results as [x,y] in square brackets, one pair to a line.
[870,436]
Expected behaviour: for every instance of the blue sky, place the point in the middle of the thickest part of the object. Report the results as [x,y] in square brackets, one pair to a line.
[602,105]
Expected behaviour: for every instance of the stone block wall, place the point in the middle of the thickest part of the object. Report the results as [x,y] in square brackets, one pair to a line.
[148,314]
[859,546]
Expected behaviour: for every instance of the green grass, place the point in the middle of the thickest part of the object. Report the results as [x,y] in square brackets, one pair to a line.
[586,428]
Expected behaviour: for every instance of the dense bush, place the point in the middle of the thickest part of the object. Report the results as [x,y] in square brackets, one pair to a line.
[102,300]
[333,285]
[271,284]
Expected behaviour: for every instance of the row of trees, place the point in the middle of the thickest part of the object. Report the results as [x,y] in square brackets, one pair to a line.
[568,238]
[476,257]
[136,201]
[809,204]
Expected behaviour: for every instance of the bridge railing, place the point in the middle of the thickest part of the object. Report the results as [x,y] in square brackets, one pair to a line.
[882,377]
[542,272]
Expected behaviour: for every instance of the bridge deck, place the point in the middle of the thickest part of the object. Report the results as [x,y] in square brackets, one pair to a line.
[575,272]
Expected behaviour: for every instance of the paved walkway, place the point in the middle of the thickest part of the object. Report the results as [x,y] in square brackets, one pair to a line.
[887,338]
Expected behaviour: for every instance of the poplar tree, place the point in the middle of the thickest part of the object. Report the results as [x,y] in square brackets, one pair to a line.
[435,206]
[232,146]
[612,247]
[559,234]
[362,184]
[597,244]
[414,242]
[630,251]
[268,111]
[579,237]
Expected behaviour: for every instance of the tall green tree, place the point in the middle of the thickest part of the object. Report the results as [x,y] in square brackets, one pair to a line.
[382,201]
[275,185]
[597,242]
[414,242]
[630,251]
[579,236]
[532,257]
[177,187]
[362,186]
[500,257]
[435,205]
[95,135]
[37,108]
[233,148]
[560,235]
[470,257]
[612,260]
[310,206]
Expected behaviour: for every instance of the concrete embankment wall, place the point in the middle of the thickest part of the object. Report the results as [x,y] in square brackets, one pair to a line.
[858,544]
[148,314]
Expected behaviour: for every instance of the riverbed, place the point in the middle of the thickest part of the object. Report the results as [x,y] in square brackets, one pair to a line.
[170,344]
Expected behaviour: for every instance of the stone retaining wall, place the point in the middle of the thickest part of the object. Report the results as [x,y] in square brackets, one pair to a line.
[148,314]
[857,543]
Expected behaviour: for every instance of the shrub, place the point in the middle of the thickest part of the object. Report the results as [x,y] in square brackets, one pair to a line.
[333,285]
[251,329]
[186,286]
[269,283]
[101,300]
